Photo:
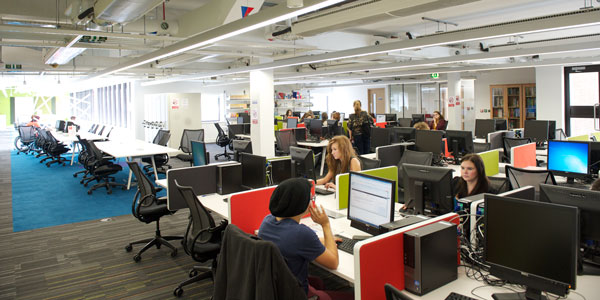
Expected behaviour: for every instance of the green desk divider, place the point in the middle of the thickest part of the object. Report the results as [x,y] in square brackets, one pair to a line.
[345,125]
[491,162]
[342,181]
[596,135]
[583,137]
[279,125]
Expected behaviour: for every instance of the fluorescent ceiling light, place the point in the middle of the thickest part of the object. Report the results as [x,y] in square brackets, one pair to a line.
[63,55]
[221,33]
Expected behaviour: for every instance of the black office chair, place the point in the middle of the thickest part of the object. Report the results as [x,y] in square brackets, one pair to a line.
[261,270]
[284,139]
[93,128]
[53,148]
[101,129]
[202,240]
[508,143]
[522,177]
[147,208]
[222,141]
[185,145]
[498,185]
[415,158]
[162,138]
[392,293]
[481,147]
[26,139]
[101,168]
[368,164]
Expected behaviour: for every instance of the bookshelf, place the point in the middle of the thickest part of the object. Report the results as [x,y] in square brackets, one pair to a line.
[235,104]
[514,102]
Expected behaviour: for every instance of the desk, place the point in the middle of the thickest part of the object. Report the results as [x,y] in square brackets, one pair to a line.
[323,144]
[135,148]
[243,136]
[479,141]
[73,141]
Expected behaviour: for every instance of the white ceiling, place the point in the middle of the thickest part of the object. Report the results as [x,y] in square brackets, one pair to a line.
[28,31]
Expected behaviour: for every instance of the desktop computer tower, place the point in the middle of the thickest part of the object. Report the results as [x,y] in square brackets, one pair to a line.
[430,258]
[229,179]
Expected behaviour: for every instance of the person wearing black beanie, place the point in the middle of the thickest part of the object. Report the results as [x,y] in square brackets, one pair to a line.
[299,244]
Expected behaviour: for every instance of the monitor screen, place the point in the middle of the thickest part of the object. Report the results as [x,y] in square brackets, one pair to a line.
[245,117]
[199,153]
[501,124]
[254,170]
[390,117]
[235,129]
[370,202]
[483,127]
[402,134]
[568,158]
[389,155]
[416,118]
[296,114]
[300,134]
[380,137]
[549,263]
[536,130]
[280,170]
[380,118]
[302,163]
[292,123]
[594,157]
[316,127]
[429,141]
[61,125]
[460,142]
[240,120]
[241,146]
[428,189]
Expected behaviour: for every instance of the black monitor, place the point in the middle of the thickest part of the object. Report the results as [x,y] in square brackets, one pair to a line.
[317,114]
[588,203]
[594,157]
[379,137]
[531,243]
[390,117]
[569,158]
[483,127]
[551,130]
[460,142]
[389,155]
[61,125]
[428,189]
[246,128]
[402,134]
[429,141]
[292,122]
[241,146]
[526,193]
[199,153]
[300,134]
[245,117]
[416,118]
[296,114]
[315,127]
[370,202]
[279,170]
[537,130]
[501,124]
[303,164]
[404,122]
[235,129]
[254,170]
[333,128]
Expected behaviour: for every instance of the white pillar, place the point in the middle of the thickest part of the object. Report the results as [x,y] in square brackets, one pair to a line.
[455,102]
[261,113]
[550,94]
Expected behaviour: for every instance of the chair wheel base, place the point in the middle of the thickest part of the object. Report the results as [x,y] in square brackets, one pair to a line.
[177,292]
[174,253]
[128,248]
[137,258]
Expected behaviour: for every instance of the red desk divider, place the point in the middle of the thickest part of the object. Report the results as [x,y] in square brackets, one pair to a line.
[447,153]
[381,124]
[380,260]
[523,156]
[248,209]
[300,125]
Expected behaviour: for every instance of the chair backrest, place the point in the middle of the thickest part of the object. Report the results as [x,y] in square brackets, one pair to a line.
[27,134]
[368,164]
[93,128]
[498,185]
[392,293]
[285,139]
[413,157]
[201,218]
[512,142]
[146,193]
[162,137]
[188,136]
[522,177]
[199,156]
[222,138]
[101,129]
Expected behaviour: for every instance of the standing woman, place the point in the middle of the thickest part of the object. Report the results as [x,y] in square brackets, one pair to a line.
[340,159]
[359,129]
[438,123]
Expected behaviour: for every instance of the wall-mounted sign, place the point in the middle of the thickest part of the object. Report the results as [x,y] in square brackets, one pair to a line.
[435,75]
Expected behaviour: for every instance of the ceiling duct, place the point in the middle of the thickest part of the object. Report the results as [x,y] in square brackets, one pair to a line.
[122,11]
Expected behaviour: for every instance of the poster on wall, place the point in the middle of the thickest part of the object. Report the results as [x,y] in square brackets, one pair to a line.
[174,103]
[451,102]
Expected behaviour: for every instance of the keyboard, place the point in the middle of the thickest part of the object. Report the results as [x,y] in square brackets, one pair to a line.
[455,296]
[347,245]
[321,191]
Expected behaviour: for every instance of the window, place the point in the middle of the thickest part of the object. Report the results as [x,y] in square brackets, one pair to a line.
[106,105]
[210,107]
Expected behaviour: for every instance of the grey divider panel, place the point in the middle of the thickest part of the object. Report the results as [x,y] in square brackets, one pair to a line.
[202,179]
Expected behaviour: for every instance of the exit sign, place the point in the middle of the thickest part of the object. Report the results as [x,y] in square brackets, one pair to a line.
[13,67]
[435,75]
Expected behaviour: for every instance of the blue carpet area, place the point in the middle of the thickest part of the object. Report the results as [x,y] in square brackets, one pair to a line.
[44,197]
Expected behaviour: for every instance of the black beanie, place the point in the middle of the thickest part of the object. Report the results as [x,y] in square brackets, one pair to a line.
[290,198]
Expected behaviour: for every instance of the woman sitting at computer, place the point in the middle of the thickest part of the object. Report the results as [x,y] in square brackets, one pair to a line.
[438,123]
[472,178]
[307,115]
[340,159]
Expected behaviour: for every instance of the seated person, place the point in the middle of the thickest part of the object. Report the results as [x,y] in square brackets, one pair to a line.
[34,121]
[438,123]
[421,126]
[472,180]
[324,118]
[307,115]
[299,244]
[340,159]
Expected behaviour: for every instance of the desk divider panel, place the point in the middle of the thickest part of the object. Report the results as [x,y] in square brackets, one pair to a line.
[248,209]
[342,182]
[523,156]
[380,260]
[491,162]
[447,153]
[381,124]
[583,137]
[202,179]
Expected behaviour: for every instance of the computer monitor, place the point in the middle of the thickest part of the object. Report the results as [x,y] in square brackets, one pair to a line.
[501,124]
[594,157]
[483,127]
[370,202]
[241,146]
[199,153]
[569,158]
[315,128]
[404,122]
[317,114]
[526,193]
[416,118]
[380,118]
[296,114]
[235,129]
[460,142]
[531,243]
[300,134]
[240,120]
[61,125]
[588,203]
[402,134]
[379,137]
[245,117]
[429,141]
[551,130]
[279,170]
[254,170]
[428,189]
[292,122]
[536,130]
[333,128]
[389,155]
[390,117]
[303,164]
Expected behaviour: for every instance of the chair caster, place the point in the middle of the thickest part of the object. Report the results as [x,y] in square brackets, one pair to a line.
[109,192]
[178,292]
[75,175]
[193,273]
[128,248]
[216,157]
[89,192]
[137,258]
[174,253]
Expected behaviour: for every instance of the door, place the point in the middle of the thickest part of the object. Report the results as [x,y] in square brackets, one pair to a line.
[582,99]
[377,101]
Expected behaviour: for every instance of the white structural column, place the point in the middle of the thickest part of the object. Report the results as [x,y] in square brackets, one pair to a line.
[549,85]
[455,102]
[261,113]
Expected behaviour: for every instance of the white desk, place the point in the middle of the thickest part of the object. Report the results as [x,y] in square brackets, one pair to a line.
[135,148]
[243,136]
[479,141]
[323,144]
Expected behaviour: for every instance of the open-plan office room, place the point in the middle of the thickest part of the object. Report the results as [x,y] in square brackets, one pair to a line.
[145,143]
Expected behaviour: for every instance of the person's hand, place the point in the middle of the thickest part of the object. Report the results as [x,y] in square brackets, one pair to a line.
[330,185]
[318,215]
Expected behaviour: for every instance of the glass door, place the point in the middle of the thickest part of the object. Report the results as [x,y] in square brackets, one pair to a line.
[582,86]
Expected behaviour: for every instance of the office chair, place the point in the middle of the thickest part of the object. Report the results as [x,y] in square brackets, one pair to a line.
[101,130]
[26,139]
[522,177]
[93,128]
[185,145]
[202,239]
[83,156]
[53,148]
[392,293]
[481,147]
[508,143]
[147,208]
[368,164]
[251,268]
[498,185]
[162,138]
[284,139]
[222,141]
[413,157]
[101,169]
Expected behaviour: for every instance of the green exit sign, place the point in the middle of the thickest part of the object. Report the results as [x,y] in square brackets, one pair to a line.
[13,67]
[435,75]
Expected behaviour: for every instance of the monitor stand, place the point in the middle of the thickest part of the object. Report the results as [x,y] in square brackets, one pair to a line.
[529,293]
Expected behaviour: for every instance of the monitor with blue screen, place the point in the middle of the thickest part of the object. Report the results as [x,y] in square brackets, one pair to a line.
[370,202]
[569,158]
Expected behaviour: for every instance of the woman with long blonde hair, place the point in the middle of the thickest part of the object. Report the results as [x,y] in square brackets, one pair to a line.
[341,158]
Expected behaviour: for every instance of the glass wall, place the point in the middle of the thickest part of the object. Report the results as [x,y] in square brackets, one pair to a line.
[408,99]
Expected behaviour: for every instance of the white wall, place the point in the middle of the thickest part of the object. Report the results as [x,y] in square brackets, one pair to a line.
[550,94]
[341,98]
[485,79]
